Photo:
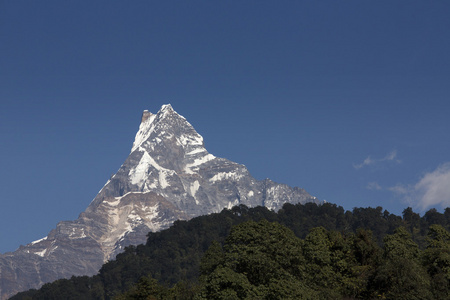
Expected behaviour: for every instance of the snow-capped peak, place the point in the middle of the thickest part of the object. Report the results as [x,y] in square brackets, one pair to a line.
[149,122]
[166,107]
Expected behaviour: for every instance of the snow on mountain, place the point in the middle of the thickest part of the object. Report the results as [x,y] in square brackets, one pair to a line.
[168,175]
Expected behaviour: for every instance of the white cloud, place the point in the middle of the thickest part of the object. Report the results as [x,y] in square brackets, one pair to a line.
[368,161]
[391,156]
[433,189]
[374,186]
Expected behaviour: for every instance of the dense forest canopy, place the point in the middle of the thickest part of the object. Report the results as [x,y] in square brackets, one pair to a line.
[303,251]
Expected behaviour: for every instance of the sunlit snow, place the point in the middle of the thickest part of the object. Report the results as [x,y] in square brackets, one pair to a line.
[193,190]
[144,132]
[191,140]
[231,204]
[41,253]
[40,240]
[197,162]
[139,174]
[226,175]
[195,151]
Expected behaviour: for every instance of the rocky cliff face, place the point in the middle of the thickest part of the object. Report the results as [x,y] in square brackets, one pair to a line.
[168,175]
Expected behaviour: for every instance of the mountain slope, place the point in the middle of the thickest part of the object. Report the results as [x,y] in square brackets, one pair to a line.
[168,175]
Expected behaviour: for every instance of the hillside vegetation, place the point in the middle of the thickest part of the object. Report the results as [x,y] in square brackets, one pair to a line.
[304,251]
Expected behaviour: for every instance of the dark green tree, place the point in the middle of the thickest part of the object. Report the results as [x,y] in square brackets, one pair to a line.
[147,288]
[331,267]
[259,261]
[401,275]
[367,254]
[437,261]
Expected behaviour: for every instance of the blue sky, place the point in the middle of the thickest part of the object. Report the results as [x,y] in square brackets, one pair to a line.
[347,99]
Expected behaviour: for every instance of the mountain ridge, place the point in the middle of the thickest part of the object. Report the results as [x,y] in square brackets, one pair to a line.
[168,175]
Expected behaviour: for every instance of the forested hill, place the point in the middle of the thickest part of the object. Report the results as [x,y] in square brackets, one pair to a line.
[304,251]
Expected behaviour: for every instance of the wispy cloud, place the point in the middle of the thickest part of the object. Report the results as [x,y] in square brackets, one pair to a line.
[391,156]
[374,186]
[401,189]
[432,189]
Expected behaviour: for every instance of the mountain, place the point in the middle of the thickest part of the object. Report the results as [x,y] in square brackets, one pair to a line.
[168,175]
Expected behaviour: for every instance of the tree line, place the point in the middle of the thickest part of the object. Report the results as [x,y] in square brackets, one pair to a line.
[303,251]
